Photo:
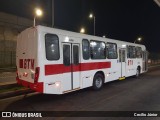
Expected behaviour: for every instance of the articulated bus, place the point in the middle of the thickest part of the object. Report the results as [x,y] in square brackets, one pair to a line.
[54,61]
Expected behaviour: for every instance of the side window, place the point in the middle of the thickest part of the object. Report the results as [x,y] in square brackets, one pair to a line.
[122,55]
[85,49]
[66,55]
[131,52]
[52,47]
[138,52]
[128,51]
[134,52]
[97,50]
[75,55]
[111,49]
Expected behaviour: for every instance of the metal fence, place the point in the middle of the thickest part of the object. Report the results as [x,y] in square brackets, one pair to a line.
[7,59]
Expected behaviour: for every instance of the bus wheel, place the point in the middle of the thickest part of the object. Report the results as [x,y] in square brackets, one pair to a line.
[98,81]
[137,72]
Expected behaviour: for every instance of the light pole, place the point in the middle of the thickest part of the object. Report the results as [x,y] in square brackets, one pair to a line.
[94,19]
[38,13]
[52,2]
[138,39]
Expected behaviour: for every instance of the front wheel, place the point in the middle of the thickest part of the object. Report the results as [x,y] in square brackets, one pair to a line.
[98,81]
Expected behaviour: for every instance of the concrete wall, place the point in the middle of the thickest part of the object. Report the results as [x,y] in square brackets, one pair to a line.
[10,27]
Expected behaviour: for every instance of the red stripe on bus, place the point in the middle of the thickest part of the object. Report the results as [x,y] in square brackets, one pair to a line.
[60,68]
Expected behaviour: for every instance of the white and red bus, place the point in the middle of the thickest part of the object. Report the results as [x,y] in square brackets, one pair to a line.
[55,61]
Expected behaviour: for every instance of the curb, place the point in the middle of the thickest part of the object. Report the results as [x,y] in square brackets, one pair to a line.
[9,94]
[15,93]
[8,85]
[154,66]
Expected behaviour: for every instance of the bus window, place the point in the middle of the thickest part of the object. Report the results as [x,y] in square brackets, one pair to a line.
[66,55]
[134,52]
[128,51]
[75,55]
[85,49]
[131,52]
[122,55]
[111,50]
[52,47]
[138,52]
[97,50]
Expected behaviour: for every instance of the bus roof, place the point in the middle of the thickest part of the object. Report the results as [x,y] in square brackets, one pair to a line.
[80,35]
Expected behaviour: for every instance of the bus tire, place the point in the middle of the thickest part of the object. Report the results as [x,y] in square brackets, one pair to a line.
[137,72]
[98,81]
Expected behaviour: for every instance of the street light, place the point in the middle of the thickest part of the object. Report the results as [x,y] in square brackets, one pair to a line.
[38,13]
[94,18]
[139,39]
[82,30]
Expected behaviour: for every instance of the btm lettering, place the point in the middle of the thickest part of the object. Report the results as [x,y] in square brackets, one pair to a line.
[26,63]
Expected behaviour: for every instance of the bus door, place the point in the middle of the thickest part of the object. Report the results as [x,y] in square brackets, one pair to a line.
[122,61]
[71,61]
[145,60]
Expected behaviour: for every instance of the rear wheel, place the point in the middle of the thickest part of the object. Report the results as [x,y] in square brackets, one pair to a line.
[137,72]
[98,81]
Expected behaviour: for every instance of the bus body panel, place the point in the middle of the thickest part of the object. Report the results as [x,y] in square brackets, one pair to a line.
[70,71]
[26,55]
[26,60]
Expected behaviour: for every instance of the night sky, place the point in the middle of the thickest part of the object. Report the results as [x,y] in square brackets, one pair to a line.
[117,19]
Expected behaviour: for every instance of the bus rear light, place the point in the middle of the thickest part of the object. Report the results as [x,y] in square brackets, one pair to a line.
[36,74]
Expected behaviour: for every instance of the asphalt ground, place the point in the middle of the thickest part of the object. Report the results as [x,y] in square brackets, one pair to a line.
[132,94]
